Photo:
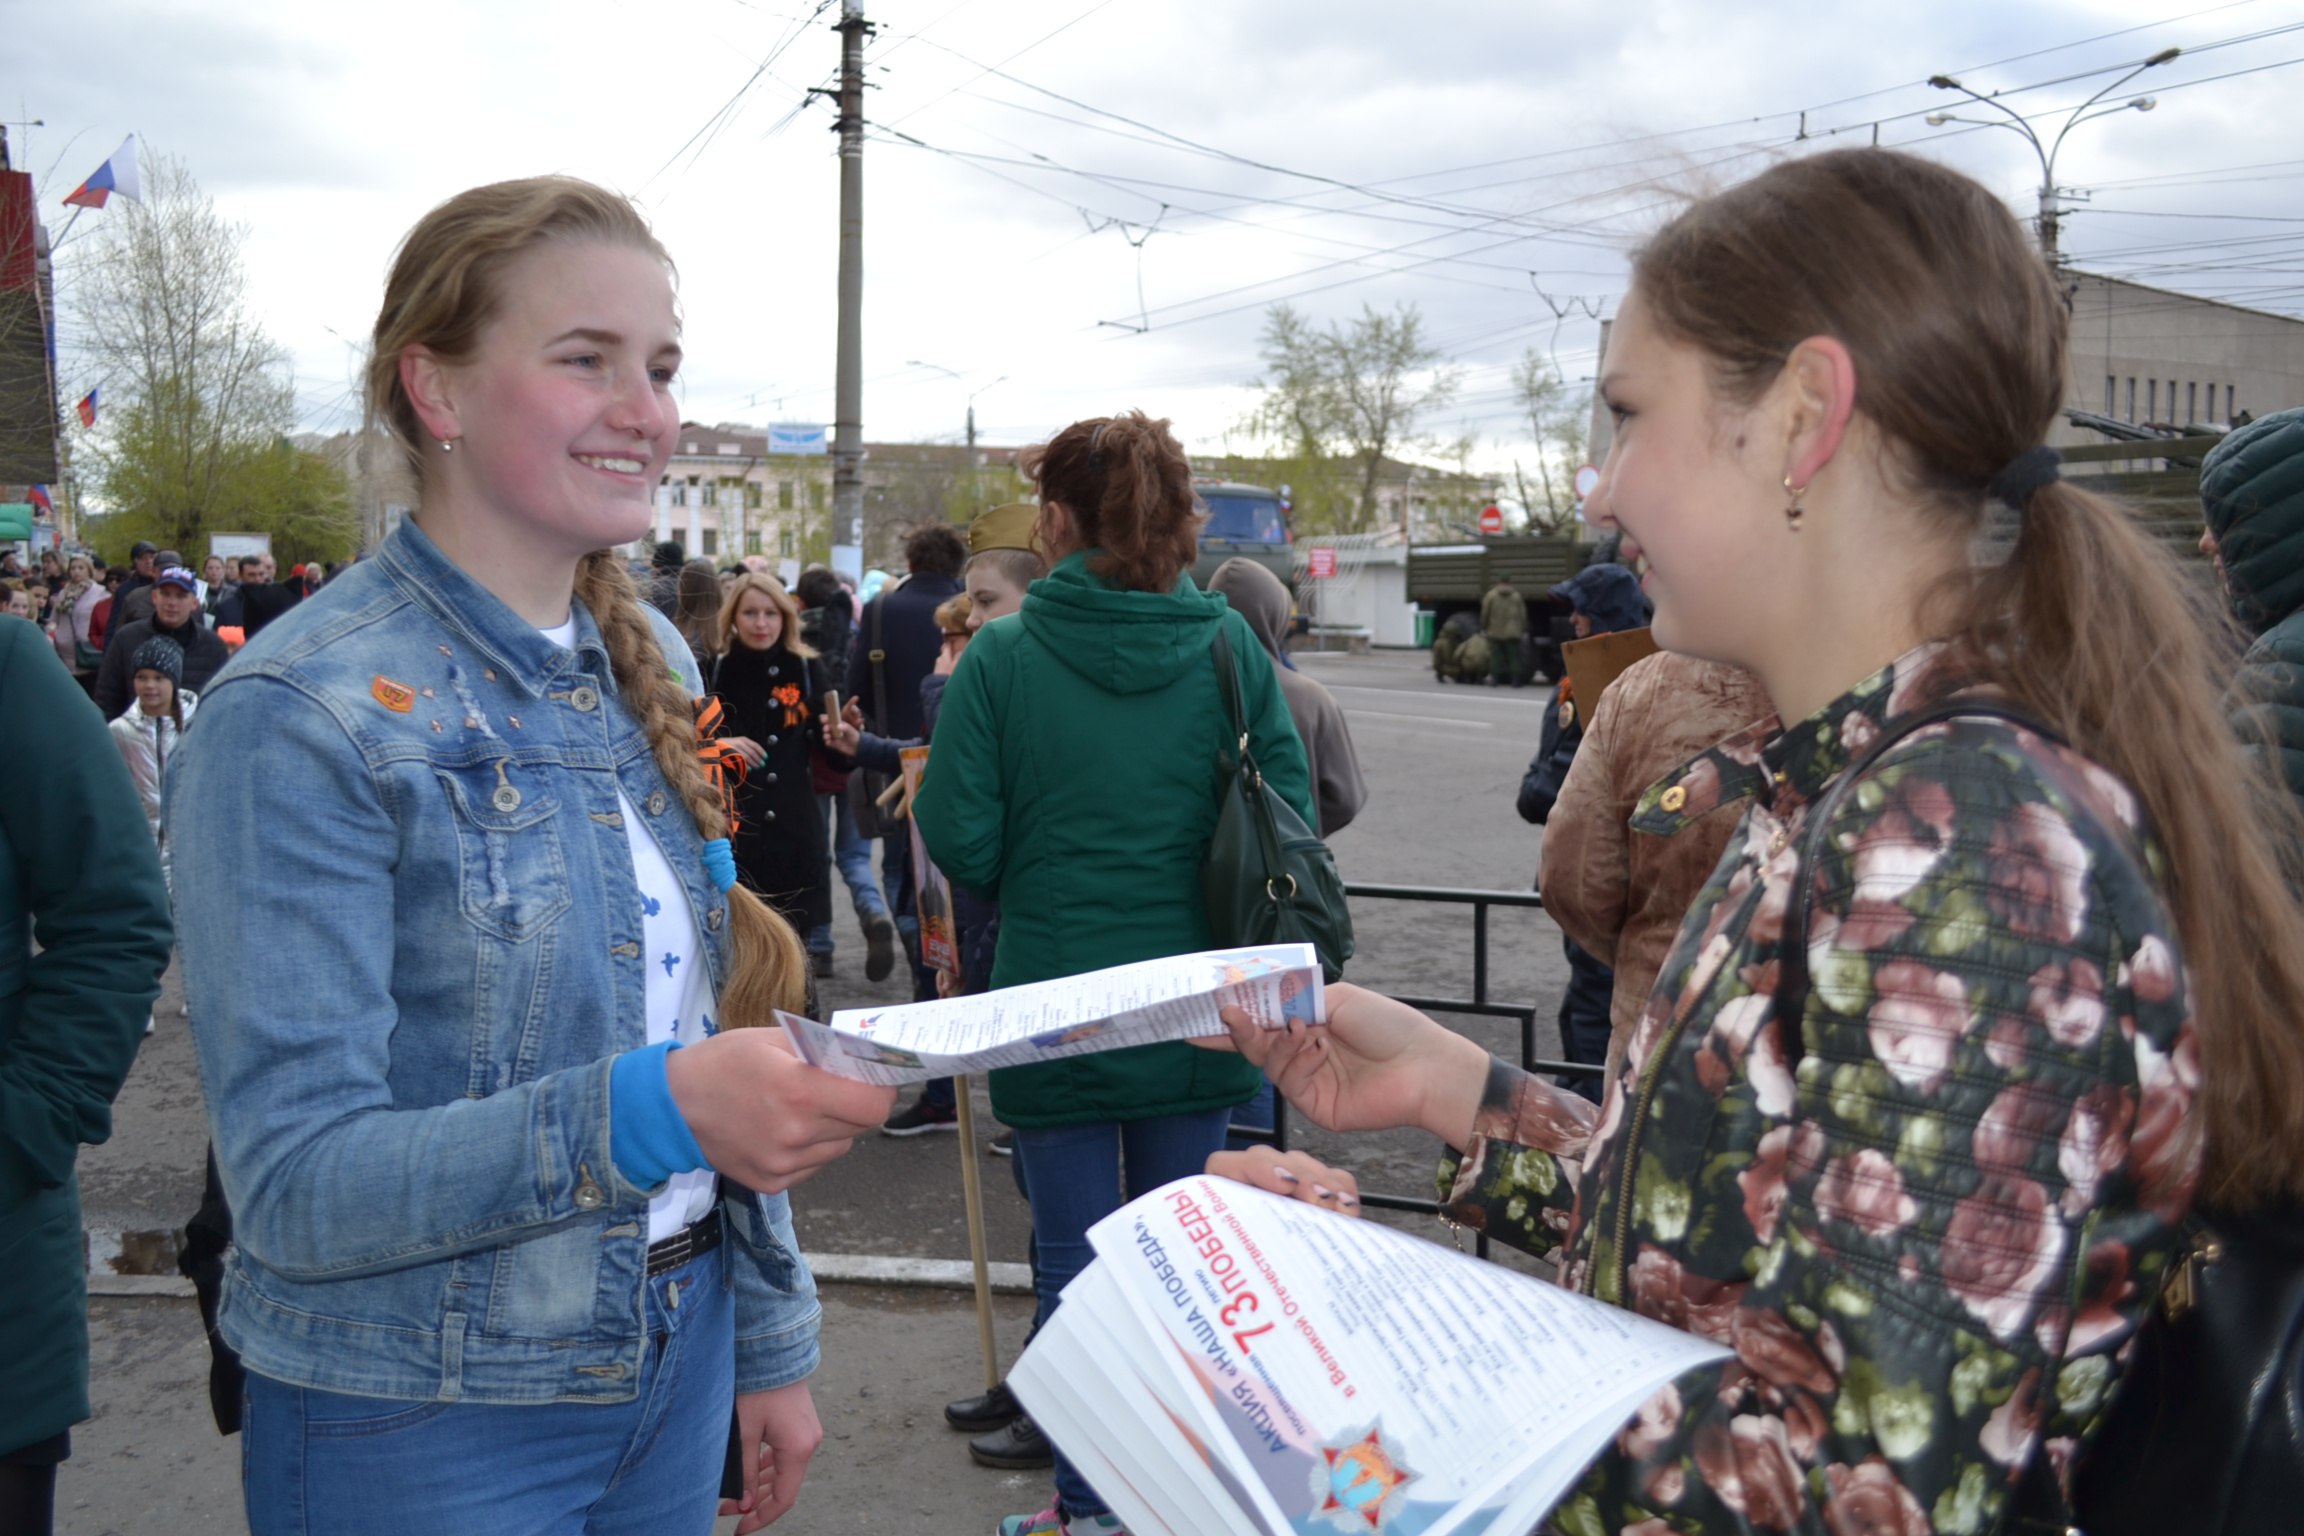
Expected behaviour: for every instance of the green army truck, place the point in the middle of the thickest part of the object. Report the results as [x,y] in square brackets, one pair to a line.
[1447,581]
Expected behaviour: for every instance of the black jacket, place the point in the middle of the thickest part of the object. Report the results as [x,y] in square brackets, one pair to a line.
[911,638]
[204,657]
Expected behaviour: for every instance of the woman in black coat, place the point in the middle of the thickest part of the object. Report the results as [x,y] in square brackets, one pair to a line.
[771,687]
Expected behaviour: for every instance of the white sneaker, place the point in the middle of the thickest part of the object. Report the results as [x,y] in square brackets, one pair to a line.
[151,1022]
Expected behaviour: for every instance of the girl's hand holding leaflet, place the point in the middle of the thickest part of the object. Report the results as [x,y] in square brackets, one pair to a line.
[1297,1175]
[1375,1065]
[762,1115]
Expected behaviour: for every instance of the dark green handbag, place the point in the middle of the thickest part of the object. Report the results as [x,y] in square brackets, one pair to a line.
[1268,878]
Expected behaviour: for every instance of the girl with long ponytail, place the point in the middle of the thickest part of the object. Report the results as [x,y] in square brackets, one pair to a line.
[512,1246]
[1997,973]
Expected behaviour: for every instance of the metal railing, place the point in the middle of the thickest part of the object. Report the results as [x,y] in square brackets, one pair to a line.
[1479,1005]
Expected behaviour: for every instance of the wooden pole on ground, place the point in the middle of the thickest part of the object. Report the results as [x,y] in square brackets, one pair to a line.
[972,1189]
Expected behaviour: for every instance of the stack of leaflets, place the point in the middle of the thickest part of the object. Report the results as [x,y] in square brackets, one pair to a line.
[1233,1361]
[1179,997]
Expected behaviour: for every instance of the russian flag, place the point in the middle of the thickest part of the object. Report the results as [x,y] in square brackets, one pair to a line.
[117,174]
[40,500]
[87,409]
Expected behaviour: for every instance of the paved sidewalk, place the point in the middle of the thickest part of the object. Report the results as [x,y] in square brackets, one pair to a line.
[151,1460]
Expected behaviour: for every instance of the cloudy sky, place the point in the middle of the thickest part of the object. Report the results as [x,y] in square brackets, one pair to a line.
[1081,205]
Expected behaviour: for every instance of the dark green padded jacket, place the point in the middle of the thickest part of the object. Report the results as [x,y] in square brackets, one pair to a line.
[2252,495]
[1074,777]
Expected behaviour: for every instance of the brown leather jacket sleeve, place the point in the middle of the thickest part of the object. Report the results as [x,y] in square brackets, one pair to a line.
[1585,869]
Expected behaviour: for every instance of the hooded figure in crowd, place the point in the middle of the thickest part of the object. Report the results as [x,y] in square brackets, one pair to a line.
[1259,597]
[2252,499]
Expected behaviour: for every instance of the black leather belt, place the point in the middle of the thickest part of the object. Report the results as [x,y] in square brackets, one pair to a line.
[697,1238]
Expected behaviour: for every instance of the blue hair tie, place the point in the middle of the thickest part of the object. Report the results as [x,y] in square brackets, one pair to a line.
[720,864]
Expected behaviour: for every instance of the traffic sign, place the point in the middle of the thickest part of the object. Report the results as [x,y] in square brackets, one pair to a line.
[1491,519]
[1323,562]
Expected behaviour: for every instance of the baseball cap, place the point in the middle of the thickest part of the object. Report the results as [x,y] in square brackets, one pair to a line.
[177,576]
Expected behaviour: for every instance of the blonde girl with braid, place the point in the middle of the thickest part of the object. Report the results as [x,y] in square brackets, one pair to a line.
[512,1243]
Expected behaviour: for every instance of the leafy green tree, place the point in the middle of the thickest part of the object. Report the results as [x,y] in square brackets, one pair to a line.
[1557,420]
[1351,391]
[199,399]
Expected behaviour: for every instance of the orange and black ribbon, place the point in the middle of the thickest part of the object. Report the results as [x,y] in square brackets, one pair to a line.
[723,764]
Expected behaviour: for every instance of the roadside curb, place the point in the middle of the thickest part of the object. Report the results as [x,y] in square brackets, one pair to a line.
[828,1268]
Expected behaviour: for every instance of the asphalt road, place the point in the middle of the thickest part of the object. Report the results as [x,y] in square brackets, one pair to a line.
[1442,764]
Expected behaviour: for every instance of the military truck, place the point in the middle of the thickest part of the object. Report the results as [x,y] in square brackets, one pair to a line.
[1246,521]
[1448,579]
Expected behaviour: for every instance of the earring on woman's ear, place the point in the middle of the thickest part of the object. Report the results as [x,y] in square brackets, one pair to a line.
[447,445]
[1792,512]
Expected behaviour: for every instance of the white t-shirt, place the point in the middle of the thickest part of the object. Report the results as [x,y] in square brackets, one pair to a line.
[679,991]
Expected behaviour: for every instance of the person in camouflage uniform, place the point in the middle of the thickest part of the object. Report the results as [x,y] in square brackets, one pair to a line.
[1504,621]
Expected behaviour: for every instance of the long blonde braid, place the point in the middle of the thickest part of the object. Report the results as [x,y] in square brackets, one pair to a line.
[767,967]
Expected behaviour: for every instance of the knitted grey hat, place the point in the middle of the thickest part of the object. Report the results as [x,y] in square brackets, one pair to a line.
[162,655]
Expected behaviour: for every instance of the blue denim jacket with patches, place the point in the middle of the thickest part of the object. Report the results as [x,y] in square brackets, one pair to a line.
[412,949]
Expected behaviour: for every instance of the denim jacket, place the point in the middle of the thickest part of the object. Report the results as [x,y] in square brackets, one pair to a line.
[412,947]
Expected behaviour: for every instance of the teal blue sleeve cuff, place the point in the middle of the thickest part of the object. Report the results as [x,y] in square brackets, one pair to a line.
[646,1133]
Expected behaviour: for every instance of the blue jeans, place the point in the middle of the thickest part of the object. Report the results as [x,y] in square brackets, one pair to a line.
[316,1461]
[853,854]
[1075,1176]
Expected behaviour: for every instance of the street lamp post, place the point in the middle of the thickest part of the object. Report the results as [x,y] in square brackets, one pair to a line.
[975,489]
[2051,208]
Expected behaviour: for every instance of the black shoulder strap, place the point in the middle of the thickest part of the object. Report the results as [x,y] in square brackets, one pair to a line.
[1792,970]
[877,655]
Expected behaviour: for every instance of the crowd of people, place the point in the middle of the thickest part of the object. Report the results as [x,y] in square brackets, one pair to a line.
[1932,903]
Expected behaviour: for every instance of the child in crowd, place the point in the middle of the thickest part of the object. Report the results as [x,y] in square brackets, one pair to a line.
[147,733]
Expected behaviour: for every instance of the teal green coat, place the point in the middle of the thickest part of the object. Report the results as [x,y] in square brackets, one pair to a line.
[1074,778]
[79,872]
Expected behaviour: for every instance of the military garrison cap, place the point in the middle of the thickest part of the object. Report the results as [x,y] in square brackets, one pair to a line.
[1008,527]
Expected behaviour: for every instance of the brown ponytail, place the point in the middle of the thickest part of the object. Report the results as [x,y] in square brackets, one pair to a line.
[767,967]
[1958,330]
[1128,486]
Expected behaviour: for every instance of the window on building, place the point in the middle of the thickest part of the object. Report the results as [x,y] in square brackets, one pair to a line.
[752,541]
[2111,406]
[711,542]
[2151,399]
[2231,411]
[786,546]
[2192,402]
[815,497]
[752,499]
[2131,397]
[680,495]
[784,495]
[711,494]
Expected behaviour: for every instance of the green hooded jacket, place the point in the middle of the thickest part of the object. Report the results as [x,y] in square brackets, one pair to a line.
[2252,495]
[79,874]
[1074,778]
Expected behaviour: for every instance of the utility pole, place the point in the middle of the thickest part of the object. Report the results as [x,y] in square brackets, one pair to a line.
[848,420]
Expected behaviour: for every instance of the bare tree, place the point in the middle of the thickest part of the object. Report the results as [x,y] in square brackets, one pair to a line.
[1352,390]
[1556,423]
[198,398]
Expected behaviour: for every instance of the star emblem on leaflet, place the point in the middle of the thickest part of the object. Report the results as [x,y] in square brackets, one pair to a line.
[1356,1482]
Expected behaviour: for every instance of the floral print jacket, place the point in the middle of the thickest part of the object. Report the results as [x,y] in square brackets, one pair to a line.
[1929,1237]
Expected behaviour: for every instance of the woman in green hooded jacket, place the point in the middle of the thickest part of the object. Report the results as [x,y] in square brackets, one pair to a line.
[1075,779]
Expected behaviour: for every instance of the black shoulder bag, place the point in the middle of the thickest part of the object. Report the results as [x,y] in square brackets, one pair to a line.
[2206,1433]
[1268,878]
[865,787]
